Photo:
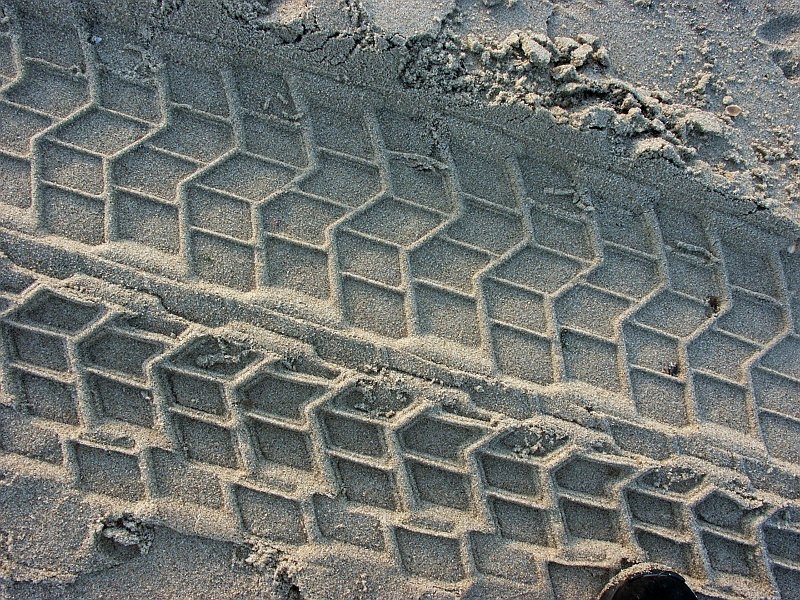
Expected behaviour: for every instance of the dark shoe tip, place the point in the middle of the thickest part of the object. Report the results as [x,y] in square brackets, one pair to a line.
[648,583]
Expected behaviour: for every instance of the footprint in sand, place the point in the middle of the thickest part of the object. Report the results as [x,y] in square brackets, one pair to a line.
[782,35]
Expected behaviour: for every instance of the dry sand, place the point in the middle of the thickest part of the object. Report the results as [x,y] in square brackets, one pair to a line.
[436,300]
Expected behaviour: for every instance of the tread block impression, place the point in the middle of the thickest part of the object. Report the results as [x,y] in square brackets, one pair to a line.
[223,261]
[247,176]
[374,308]
[19,436]
[49,90]
[440,486]
[367,485]
[109,472]
[336,522]
[15,181]
[36,348]
[206,442]
[437,438]
[74,216]
[498,557]
[296,267]
[117,400]
[282,445]
[522,523]
[175,478]
[447,315]
[368,258]
[71,168]
[279,396]
[101,131]
[119,351]
[357,436]
[19,127]
[523,355]
[270,515]
[59,313]
[590,521]
[590,359]
[47,398]
[342,180]
[219,213]
[429,556]
[150,171]
[147,221]
[198,393]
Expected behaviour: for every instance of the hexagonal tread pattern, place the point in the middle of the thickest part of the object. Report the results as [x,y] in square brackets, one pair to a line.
[673,325]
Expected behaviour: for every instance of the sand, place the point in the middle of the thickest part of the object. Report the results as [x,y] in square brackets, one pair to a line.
[436,300]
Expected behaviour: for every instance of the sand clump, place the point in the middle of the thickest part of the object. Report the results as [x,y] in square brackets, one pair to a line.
[569,78]
[122,537]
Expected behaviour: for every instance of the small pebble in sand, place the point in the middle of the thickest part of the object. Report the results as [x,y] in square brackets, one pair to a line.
[727,100]
[733,110]
[672,369]
[714,303]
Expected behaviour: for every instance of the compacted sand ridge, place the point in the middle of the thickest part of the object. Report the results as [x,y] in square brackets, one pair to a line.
[430,300]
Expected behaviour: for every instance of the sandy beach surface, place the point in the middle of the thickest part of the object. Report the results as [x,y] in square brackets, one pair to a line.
[446,300]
